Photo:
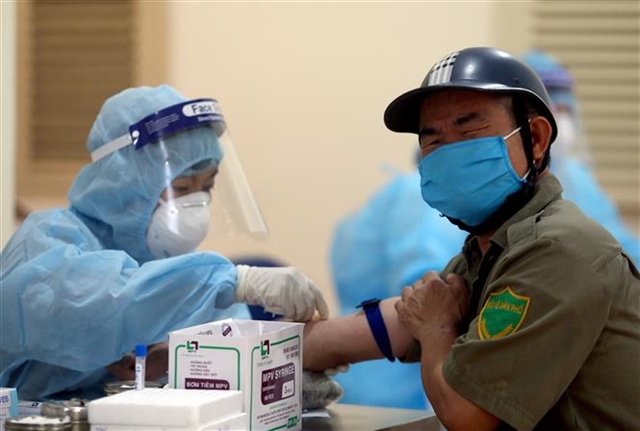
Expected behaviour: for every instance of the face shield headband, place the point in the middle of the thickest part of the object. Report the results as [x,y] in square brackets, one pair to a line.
[166,122]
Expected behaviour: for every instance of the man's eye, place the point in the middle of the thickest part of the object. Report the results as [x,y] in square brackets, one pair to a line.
[430,143]
[474,131]
[424,143]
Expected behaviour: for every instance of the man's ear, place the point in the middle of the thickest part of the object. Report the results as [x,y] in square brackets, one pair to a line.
[541,137]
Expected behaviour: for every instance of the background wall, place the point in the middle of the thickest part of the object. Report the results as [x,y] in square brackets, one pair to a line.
[303,87]
[7,119]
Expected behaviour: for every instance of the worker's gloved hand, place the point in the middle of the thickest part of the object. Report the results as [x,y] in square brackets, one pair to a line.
[285,291]
[318,390]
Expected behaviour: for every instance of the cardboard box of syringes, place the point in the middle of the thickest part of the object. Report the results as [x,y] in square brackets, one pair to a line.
[263,359]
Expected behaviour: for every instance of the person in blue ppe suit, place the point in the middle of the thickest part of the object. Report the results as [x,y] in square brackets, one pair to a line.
[570,160]
[82,286]
[395,238]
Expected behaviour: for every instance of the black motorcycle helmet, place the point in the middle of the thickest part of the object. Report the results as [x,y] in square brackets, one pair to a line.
[481,69]
[487,70]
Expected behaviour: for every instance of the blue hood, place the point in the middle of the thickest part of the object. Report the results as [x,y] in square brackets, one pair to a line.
[116,195]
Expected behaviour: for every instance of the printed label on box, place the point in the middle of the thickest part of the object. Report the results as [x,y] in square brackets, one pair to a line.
[262,359]
[278,383]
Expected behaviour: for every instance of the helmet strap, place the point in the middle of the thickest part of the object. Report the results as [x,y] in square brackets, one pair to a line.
[522,121]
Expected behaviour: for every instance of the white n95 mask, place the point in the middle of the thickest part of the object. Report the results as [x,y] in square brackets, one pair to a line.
[179,225]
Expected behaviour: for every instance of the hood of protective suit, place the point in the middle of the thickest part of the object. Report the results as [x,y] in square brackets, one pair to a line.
[116,195]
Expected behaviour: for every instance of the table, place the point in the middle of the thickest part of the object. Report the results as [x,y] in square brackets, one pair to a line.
[355,417]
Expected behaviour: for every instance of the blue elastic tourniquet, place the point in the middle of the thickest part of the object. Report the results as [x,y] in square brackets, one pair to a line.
[378,328]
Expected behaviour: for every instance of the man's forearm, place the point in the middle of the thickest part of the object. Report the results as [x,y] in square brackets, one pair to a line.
[454,411]
[345,340]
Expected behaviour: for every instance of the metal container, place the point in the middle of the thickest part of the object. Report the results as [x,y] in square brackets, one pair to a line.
[75,409]
[37,423]
[113,388]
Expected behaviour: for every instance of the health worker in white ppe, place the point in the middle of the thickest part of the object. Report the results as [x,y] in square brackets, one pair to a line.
[395,238]
[82,286]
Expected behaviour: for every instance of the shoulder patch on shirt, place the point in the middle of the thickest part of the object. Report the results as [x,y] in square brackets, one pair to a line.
[502,314]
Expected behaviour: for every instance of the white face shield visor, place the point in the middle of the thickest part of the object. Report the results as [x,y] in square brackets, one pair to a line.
[191,142]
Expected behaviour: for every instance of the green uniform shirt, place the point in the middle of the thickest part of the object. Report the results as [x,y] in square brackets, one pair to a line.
[554,342]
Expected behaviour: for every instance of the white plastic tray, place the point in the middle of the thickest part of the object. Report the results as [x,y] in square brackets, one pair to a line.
[165,408]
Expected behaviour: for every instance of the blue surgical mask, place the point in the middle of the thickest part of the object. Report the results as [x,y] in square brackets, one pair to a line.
[469,180]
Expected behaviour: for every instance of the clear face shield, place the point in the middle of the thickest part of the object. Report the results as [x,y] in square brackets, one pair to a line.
[234,207]
[186,154]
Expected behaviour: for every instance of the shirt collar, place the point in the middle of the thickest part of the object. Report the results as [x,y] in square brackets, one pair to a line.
[546,190]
